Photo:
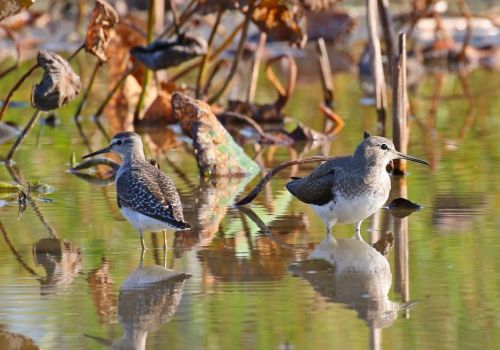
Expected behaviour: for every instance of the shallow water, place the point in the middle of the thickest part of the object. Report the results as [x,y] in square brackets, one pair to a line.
[248,288]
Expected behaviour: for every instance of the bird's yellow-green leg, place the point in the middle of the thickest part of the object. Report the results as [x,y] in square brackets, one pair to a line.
[143,245]
[164,239]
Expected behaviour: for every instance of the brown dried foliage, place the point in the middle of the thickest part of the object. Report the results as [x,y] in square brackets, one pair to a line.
[59,84]
[102,21]
[281,20]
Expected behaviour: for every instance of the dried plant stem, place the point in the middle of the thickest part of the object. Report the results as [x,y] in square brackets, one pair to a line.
[237,57]
[260,186]
[388,28]
[326,73]
[147,73]
[212,56]
[256,67]
[378,70]
[87,90]
[188,12]
[80,48]
[15,87]
[399,106]
[175,17]
[264,135]
[464,9]
[18,256]
[21,137]
[204,61]
[111,93]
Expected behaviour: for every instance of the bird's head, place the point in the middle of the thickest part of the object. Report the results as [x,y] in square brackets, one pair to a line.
[125,144]
[379,150]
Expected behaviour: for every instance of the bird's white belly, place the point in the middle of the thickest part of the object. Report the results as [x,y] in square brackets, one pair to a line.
[349,210]
[142,222]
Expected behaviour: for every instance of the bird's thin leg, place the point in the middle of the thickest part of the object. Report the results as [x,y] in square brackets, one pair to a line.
[358,231]
[328,233]
[143,245]
[164,239]
[142,258]
[165,258]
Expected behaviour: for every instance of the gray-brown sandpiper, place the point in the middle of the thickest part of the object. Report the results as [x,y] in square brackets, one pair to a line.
[351,188]
[146,196]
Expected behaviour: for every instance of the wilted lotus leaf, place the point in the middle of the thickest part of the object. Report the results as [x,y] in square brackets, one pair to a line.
[165,54]
[102,20]
[11,7]
[281,20]
[59,84]
[216,152]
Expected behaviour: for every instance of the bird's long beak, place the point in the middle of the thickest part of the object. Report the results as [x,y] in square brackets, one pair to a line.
[101,151]
[400,155]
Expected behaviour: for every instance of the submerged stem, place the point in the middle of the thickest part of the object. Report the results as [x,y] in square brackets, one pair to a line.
[21,137]
[15,87]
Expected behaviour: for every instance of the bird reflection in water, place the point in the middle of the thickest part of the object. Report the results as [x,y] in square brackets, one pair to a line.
[148,298]
[351,272]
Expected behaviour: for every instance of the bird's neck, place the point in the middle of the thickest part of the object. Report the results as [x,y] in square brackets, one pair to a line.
[134,156]
[372,169]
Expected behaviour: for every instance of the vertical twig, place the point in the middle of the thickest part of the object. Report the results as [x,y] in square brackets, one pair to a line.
[21,137]
[237,57]
[205,59]
[399,106]
[378,70]
[256,67]
[212,56]
[80,48]
[87,90]
[175,18]
[401,258]
[111,93]
[388,28]
[464,9]
[188,12]
[147,73]
[326,73]
[15,87]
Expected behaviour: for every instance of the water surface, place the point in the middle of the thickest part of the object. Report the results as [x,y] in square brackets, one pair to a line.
[245,290]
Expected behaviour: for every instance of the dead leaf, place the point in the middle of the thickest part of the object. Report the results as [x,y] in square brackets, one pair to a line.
[282,21]
[11,7]
[59,84]
[217,154]
[102,20]
[165,54]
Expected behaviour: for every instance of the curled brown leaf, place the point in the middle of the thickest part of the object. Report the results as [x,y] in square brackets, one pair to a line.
[102,20]
[281,20]
[59,84]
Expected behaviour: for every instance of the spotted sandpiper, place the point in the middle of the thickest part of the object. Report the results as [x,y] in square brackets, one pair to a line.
[146,196]
[351,188]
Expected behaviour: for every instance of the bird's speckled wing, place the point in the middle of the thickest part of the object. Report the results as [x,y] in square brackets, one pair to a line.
[319,186]
[147,190]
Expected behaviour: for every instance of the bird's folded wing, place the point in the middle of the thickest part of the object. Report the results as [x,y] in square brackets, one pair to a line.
[144,195]
[319,186]
[316,188]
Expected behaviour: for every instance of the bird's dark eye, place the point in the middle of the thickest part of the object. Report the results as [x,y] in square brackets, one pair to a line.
[119,142]
[384,146]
